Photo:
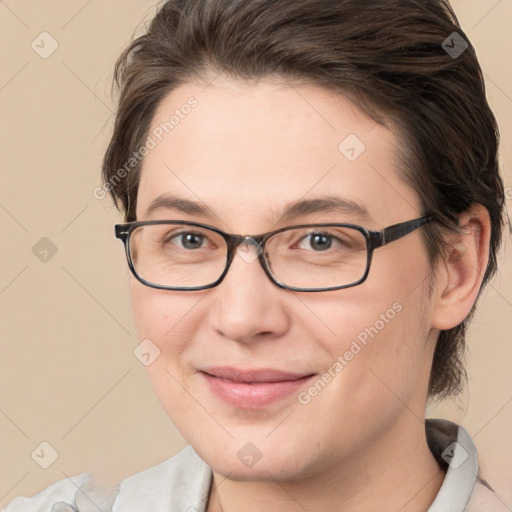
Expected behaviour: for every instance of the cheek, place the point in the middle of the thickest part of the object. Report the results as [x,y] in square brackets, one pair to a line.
[377,339]
[160,314]
[371,370]
[163,317]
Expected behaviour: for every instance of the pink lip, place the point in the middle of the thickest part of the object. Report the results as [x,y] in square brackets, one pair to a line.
[252,389]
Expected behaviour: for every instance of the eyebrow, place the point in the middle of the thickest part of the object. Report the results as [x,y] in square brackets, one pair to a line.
[170,202]
[325,204]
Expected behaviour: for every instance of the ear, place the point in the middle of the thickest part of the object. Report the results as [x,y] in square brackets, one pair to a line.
[461,270]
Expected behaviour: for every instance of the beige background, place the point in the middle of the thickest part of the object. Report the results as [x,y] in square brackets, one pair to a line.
[68,374]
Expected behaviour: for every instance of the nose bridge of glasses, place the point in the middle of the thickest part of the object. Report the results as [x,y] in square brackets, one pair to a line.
[248,248]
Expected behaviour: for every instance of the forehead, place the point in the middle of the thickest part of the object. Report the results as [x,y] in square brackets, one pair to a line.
[239,148]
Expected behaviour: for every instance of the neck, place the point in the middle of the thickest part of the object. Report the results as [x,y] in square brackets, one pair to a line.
[395,471]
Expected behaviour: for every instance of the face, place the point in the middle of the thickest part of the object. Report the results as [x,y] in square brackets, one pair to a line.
[252,372]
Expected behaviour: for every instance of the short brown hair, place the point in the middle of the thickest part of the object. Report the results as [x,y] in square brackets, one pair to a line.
[385,55]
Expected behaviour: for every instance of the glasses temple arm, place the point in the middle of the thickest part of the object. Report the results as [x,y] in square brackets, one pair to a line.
[397,231]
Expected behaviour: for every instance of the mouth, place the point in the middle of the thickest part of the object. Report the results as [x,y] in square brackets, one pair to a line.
[255,388]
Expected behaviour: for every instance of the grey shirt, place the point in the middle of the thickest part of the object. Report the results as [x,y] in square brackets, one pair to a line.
[183,482]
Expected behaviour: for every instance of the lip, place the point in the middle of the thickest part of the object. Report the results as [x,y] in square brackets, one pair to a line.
[252,388]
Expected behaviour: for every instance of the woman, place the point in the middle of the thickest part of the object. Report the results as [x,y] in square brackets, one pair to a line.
[312,205]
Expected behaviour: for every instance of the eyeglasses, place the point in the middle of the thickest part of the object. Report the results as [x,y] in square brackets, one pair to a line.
[183,255]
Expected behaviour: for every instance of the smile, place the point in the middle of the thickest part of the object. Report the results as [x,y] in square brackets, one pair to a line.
[253,389]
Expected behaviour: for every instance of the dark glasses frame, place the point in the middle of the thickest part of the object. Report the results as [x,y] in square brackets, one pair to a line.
[374,240]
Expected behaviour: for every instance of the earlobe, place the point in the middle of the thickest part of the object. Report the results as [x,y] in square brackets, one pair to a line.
[462,268]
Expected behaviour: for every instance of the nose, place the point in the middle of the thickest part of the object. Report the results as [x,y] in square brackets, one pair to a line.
[247,305]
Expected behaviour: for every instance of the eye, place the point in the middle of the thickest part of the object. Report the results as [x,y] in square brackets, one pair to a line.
[187,240]
[318,241]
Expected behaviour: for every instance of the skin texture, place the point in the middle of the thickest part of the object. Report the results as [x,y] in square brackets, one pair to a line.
[245,151]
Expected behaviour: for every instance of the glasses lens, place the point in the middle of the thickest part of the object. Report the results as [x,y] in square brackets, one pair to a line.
[177,255]
[317,256]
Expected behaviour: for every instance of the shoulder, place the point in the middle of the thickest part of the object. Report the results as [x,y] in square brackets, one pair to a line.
[484,498]
[181,482]
[463,489]
[59,493]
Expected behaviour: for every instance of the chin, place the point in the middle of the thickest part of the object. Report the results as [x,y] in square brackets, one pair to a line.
[243,461]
